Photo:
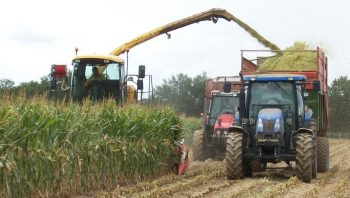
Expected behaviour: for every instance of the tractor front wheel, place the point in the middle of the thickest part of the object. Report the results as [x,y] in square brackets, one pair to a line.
[199,152]
[234,156]
[304,157]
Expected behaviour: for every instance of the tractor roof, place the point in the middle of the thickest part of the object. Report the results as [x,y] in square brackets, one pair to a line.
[101,57]
[274,77]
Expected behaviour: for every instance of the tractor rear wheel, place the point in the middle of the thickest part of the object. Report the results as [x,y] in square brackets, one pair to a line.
[234,158]
[199,153]
[304,147]
[322,154]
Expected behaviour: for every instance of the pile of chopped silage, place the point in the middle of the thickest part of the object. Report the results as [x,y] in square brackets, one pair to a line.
[296,59]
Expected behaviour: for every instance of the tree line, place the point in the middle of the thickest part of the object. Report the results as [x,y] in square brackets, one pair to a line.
[186,95]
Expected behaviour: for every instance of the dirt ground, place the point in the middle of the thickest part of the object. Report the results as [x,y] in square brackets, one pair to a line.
[208,179]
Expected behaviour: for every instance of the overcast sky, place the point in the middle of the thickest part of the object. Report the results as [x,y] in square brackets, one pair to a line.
[37,33]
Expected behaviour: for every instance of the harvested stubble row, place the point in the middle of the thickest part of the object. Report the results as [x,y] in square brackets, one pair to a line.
[55,150]
[294,58]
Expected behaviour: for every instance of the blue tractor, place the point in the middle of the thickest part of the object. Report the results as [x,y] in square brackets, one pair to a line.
[272,127]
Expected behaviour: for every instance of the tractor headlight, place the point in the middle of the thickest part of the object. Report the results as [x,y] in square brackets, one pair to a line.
[260,127]
[277,127]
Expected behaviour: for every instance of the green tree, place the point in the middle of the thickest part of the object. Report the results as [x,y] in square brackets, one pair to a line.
[186,94]
[33,88]
[339,102]
[6,84]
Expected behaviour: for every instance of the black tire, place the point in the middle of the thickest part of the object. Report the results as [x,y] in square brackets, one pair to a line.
[322,154]
[314,150]
[314,158]
[199,153]
[304,147]
[234,161]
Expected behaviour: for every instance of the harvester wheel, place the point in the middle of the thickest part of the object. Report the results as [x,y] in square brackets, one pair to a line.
[199,153]
[304,147]
[234,160]
[322,154]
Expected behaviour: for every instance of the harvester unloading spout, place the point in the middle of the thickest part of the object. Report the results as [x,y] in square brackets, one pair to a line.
[209,15]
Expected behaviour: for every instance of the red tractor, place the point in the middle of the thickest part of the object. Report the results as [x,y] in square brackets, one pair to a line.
[220,110]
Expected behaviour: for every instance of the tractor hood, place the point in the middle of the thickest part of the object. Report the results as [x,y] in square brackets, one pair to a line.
[270,120]
[224,121]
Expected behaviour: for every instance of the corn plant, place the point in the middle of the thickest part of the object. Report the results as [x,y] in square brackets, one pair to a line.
[56,149]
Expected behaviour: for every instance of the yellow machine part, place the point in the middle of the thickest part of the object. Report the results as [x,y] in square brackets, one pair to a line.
[211,15]
[132,94]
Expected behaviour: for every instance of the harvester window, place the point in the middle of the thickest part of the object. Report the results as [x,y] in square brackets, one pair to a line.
[112,71]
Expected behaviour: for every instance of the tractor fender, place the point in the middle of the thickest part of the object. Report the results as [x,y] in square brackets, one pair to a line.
[305,130]
[235,129]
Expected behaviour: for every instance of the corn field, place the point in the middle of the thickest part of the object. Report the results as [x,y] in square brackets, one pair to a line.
[53,149]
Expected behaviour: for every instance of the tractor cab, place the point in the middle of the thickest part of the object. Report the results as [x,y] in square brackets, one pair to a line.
[274,109]
[221,116]
[109,80]
[222,109]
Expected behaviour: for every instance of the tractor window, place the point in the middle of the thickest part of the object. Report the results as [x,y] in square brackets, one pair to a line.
[300,103]
[270,93]
[220,104]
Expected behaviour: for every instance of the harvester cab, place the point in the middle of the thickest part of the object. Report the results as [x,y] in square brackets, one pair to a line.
[107,81]
[85,85]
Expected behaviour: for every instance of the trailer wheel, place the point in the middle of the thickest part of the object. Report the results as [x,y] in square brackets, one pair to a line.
[199,153]
[304,147]
[322,154]
[234,160]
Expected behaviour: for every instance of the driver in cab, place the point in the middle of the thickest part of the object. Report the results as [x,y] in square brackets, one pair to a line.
[95,84]
[94,78]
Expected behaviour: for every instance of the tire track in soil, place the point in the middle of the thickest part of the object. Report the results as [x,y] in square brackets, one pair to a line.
[328,182]
[225,188]
[250,186]
[323,184]
[196,168]
[208,179]
[199,180]
[200,191]
[338,188]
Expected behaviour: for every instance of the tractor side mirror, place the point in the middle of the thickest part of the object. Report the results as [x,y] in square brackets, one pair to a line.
[140,84]
[142,71]
[227,87]
[316,85]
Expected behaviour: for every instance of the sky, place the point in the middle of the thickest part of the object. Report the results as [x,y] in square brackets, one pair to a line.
[38,33]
